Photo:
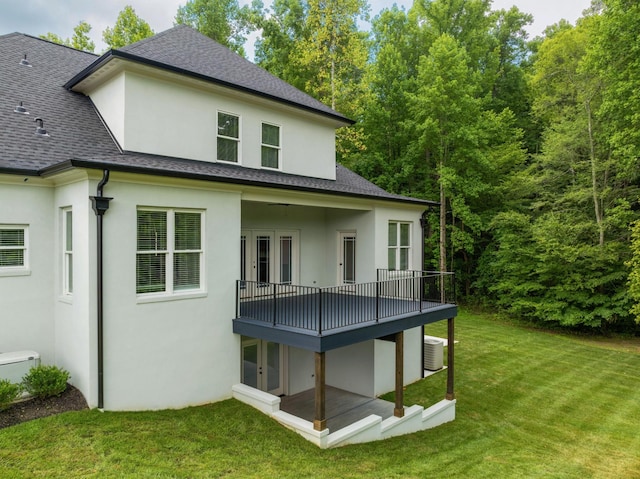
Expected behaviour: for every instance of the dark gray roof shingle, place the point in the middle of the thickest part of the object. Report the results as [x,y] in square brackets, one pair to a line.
[79,139]
[70,118]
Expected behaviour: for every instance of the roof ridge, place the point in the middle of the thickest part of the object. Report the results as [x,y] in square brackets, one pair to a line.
[50,42]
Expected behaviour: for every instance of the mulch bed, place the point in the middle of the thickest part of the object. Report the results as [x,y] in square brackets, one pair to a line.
[70,400]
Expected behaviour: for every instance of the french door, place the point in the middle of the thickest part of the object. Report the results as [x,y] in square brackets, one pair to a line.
[269,256]
[263,365]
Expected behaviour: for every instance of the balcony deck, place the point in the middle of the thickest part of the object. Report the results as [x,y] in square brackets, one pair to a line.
[321,319]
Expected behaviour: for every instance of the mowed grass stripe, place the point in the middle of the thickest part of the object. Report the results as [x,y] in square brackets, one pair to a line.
[530,404]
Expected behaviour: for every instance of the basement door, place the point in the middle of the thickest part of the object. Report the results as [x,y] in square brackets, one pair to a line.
[263,365]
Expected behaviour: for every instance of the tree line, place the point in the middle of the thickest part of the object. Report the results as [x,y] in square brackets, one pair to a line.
[531,146]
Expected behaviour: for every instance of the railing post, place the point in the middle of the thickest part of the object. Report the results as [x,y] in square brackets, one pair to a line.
[274,304]
[377,301]
[237,299]
[319,312]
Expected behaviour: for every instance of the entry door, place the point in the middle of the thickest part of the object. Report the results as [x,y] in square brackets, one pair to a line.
[347,258]
[263,365]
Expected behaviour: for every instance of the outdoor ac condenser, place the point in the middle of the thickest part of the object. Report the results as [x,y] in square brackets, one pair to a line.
[14,365]
[433,354]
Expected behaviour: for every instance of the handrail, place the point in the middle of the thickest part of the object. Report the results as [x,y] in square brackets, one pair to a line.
[323,309]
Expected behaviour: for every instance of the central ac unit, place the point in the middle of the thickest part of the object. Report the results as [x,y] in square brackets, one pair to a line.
[433,354]
[14,365]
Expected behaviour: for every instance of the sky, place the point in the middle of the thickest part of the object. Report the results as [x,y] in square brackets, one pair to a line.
[36,17]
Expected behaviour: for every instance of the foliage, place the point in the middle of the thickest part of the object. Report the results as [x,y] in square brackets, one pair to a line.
[80,39]
[222,20]
[129,28]
[9,392]
[634,275]
[504,373]
[45,381]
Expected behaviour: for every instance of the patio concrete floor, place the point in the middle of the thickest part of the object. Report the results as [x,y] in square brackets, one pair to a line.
[342,407]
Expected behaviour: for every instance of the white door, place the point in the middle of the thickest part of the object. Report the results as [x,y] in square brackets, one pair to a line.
[346,258]
[263,365]
[269,256]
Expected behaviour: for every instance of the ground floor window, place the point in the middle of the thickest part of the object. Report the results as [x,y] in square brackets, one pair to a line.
[67,251]
[13,248]
[399,249]
[170,251]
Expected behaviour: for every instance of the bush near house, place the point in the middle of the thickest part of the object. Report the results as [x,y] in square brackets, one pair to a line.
[45,381]
[9,392]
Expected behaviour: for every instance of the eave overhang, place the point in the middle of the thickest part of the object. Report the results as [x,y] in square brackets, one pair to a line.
[112,55]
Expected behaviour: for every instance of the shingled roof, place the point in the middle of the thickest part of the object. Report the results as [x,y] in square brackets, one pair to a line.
[79,139]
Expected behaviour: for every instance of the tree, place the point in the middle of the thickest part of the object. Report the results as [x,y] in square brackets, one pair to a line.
[129,28]
[79,41]
[222,20]
[282,28]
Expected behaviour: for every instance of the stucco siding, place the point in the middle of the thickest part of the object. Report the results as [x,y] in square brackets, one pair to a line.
[26,317]
[170,352]
[150,115]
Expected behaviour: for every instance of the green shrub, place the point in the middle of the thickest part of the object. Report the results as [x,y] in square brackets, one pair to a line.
[45,381]
[9,392]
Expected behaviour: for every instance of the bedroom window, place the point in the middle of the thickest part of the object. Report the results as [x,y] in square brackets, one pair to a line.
[67,251]
[270,146]
[399,245]
[228,137]
[170,253]
[13,249]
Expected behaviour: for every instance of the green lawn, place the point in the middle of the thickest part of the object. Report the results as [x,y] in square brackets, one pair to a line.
[530,404]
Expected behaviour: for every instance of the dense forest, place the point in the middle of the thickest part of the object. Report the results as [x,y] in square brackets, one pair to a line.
[531,146]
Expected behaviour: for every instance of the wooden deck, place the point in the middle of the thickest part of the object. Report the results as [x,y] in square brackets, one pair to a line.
[342,407]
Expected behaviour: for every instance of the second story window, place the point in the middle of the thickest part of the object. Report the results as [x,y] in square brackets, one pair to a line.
[270,146]
[228,137]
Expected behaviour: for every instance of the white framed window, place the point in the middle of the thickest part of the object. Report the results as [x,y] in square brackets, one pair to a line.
[228,146]
[67,251]
[399,246]
[170,252]
[270,146]
[14,244]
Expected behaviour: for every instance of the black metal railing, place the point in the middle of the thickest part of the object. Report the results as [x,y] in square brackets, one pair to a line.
[396,293]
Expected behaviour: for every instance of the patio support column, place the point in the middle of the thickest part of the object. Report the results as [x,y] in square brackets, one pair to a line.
[320,421]
[398,410]
[450,340]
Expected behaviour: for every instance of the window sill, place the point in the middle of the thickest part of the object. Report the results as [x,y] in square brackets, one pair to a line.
[160,297]
[15,272]
[65,298]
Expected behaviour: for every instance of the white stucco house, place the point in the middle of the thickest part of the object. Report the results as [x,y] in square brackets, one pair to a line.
[174,230]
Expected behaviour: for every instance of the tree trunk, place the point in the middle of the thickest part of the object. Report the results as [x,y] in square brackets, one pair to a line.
[594,182]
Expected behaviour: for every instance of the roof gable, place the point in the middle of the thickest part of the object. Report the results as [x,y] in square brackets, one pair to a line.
[184,50]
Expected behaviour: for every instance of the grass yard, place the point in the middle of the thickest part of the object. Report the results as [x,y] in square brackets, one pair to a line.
[530,404]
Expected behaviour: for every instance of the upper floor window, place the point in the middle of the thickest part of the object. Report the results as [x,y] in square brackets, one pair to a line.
[13,249]
[170,253]
[228,137]
[399,245]
[67,251]
[270,146]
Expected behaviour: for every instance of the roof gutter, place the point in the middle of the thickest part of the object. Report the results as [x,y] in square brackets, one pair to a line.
[100,205]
